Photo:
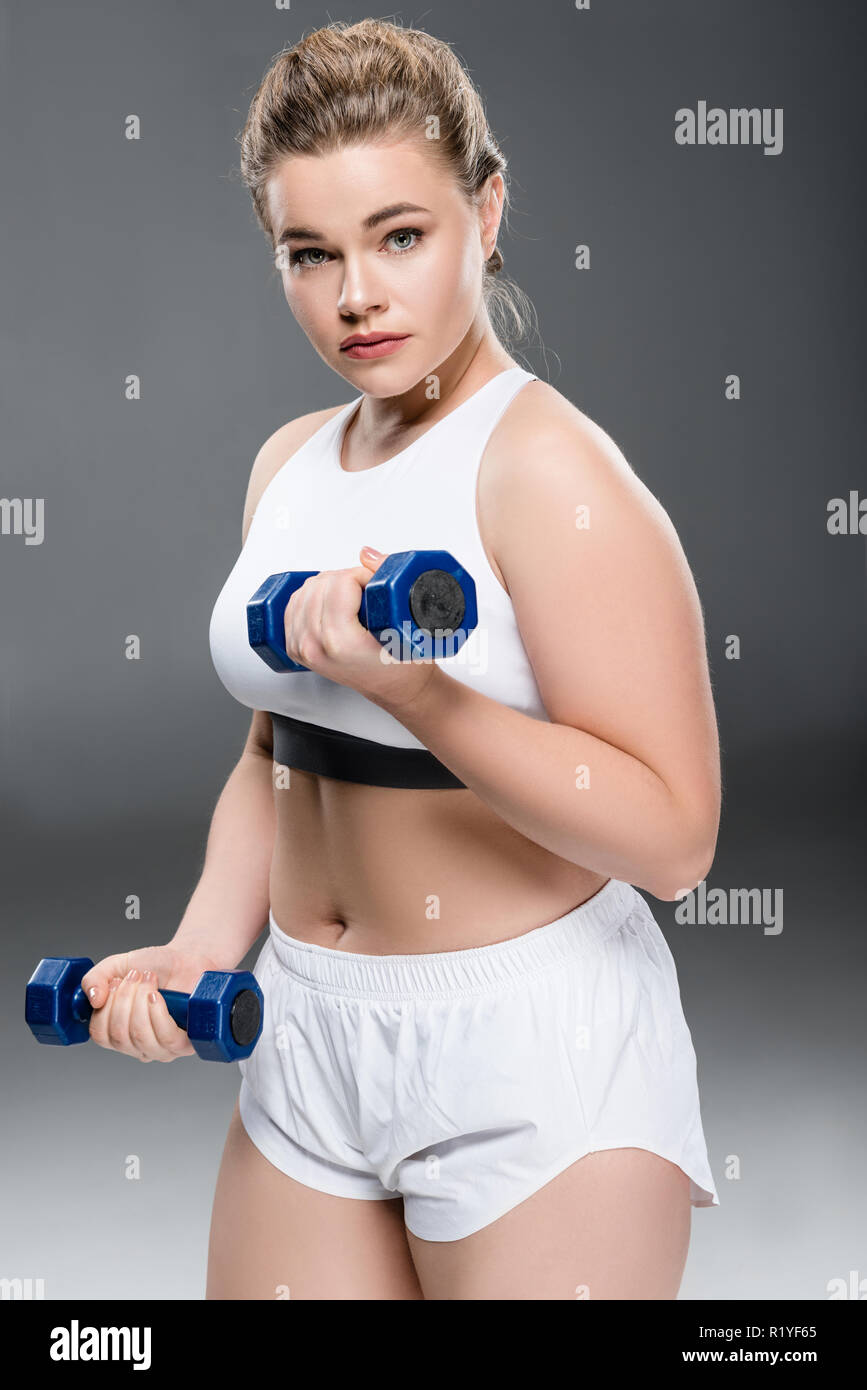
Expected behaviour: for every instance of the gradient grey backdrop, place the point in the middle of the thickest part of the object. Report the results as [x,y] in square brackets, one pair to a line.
[143,257]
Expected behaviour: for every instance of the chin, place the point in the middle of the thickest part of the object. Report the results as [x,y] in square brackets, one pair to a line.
[382,382]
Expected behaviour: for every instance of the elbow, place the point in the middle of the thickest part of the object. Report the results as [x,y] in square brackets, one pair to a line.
[684,872]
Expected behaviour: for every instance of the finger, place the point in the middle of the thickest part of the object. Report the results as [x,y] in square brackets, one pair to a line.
[118,1023]
[306,619]
[172,1040]
[141,1030]
[364,573]
[293,619]
[100,1018]
[341,602]
[322,613]
[95,981]
[371,558]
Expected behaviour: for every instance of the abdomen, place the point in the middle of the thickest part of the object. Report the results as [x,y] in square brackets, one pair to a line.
[383,870]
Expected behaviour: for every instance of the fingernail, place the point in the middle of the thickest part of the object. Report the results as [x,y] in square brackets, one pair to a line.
[114,982]
[374,554]
[91,993]
[153,996]
[132,974]
[147,975]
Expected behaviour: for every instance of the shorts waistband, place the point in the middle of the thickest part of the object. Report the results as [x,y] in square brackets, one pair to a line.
[443,974]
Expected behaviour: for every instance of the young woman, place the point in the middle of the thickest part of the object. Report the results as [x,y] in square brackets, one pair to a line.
[475,1079]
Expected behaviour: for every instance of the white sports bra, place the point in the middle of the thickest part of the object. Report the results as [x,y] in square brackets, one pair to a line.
[313,515]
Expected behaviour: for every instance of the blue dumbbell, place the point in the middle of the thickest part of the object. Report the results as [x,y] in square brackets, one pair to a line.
[222,1017]
[424,598]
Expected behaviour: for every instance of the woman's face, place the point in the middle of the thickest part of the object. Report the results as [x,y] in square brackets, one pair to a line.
[354,260]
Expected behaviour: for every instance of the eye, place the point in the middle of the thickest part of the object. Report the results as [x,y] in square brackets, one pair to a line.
[407,231]
[296,258]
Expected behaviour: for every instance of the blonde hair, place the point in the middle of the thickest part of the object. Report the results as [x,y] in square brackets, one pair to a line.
[348,83]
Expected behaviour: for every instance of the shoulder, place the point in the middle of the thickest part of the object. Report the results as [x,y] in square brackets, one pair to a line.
[550,468]
[277,450]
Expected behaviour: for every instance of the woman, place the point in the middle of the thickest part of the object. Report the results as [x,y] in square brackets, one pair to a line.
[475,1080]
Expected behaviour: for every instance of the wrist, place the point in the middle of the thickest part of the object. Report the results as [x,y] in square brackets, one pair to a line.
[199,944]
[419,684]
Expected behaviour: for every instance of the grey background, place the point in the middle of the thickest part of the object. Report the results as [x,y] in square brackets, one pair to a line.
[144,257]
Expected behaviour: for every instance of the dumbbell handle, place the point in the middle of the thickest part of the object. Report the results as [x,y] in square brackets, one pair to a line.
[177,1002]
[272,585]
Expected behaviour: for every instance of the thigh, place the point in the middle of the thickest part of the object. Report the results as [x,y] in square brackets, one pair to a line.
[272,1237]
[614,1225]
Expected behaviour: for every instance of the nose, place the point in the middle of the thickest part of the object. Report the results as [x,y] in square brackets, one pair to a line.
[359,294]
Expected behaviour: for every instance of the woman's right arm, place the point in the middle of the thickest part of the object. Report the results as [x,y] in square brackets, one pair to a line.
[229,907]
[230,903]
[225,914]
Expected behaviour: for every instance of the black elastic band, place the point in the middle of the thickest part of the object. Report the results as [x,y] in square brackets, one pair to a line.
[331,753]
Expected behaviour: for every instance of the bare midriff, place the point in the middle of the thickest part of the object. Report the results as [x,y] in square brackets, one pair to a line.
[389,871]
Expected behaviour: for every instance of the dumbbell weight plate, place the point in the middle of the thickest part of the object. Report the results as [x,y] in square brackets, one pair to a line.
[436,601]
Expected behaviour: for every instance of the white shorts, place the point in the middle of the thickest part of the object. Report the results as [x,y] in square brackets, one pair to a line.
[465,1080]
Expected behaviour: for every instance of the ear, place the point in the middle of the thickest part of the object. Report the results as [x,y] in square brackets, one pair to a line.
[491,196]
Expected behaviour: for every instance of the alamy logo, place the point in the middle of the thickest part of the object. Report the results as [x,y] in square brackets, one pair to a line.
[76,1343]
[23,517]
[426,644]
[731,906]
[22,1288]
[847,519]
[738,126]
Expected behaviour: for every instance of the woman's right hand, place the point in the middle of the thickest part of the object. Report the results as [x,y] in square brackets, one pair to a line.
[128,1014]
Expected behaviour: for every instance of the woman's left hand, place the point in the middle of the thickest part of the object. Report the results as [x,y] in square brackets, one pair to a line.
[324,634]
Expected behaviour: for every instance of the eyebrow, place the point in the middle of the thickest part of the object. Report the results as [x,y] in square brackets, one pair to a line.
[368,223]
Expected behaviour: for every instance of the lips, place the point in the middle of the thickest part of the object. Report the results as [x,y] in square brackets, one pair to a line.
[359,339]
[377,345]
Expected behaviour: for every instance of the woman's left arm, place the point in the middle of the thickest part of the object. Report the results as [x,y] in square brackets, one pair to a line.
[625,779]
